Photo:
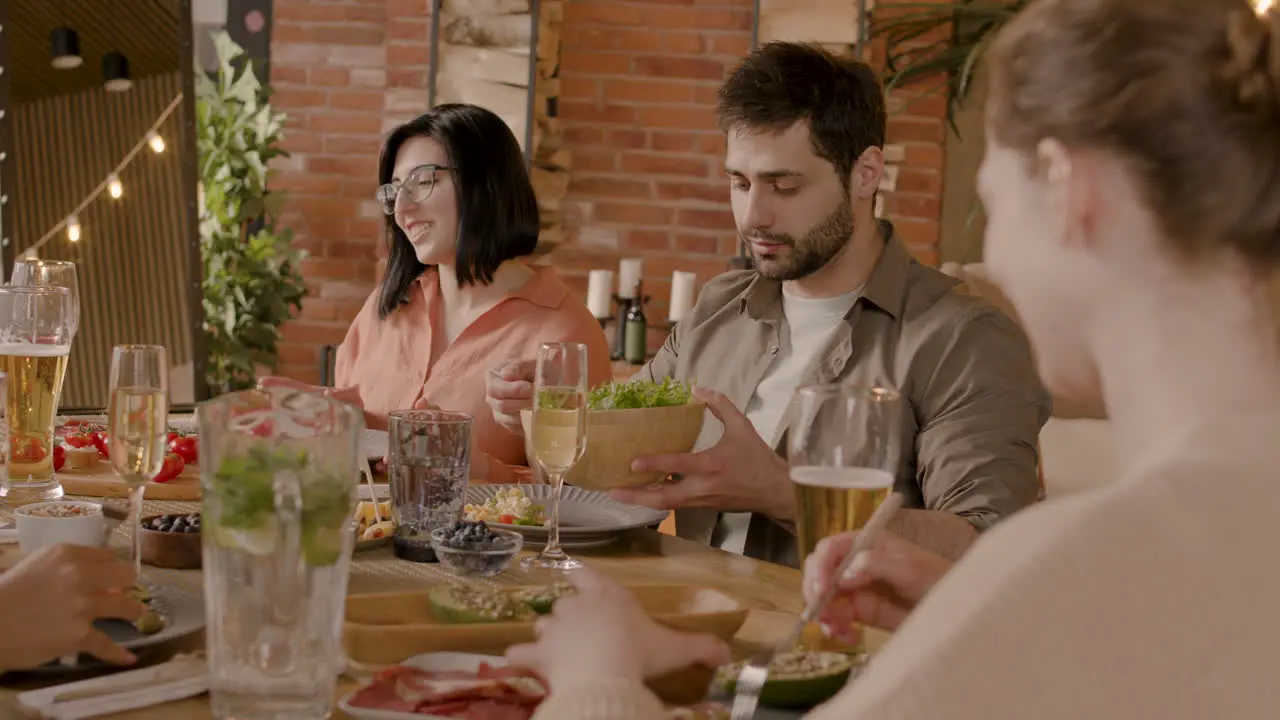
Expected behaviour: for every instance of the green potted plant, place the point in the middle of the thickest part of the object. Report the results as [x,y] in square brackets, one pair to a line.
[251,284]
[951,65]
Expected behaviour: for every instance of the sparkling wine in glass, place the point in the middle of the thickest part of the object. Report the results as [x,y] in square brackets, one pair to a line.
[138,423]
[559,434]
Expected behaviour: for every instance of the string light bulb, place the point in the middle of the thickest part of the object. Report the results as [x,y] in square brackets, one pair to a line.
[155,141]
[1263,6]
[114,187]
[73,228]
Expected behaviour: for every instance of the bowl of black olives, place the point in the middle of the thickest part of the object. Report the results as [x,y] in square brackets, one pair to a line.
[171,541]
[473,548]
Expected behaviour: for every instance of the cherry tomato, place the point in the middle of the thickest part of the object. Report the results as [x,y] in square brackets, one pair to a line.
[173,435]
[29,451]
[172,468]
[186,446]
[507,519]
[59,457]
[101,442]
[79,440]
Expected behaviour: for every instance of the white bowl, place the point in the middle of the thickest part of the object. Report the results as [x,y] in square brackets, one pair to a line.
[36,528]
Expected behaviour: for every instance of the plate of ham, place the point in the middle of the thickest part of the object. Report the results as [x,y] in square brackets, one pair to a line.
[450,686]
[467,686]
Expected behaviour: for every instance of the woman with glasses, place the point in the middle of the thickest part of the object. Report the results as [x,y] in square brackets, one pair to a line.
[457,298]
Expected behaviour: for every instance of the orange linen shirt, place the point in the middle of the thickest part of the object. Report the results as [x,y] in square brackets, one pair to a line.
[389,361]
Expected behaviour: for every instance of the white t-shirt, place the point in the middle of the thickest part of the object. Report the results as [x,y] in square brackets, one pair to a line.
[811,322]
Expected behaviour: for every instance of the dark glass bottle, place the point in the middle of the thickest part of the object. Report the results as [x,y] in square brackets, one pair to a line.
[636,346]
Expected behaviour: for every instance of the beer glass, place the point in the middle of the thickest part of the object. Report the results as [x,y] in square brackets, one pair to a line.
[138,424]
[843,451]
[559,434]
[33,272]
[278,473]
[35,340]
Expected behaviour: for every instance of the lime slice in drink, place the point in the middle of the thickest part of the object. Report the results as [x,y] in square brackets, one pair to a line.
[322,547]
[255,541]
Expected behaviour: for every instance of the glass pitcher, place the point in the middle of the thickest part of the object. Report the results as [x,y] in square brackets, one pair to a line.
[278,474]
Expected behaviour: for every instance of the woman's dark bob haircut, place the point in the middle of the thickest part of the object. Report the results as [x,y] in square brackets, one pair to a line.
[497,209]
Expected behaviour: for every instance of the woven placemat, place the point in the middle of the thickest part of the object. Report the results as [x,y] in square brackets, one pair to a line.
[371,572]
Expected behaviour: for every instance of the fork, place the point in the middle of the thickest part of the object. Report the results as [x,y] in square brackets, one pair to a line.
[752,678]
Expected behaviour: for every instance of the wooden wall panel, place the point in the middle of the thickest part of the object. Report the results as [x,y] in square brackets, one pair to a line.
[827,22]
[132,255]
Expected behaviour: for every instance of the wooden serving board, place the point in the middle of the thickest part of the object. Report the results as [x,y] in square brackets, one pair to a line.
[101,481]
[387,628]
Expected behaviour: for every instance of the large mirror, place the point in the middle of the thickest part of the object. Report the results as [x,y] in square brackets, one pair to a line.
[99,169]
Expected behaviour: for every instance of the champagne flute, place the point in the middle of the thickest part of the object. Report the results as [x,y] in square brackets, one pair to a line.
[559,430]
[138,424]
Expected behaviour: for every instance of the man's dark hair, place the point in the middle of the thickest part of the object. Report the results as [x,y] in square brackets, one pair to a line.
[782,83]
[497,208]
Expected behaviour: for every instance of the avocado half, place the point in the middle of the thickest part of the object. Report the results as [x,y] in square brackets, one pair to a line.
[452,604]
[542,598]
[797,690]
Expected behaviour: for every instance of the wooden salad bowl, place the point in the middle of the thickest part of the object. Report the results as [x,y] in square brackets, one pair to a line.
[616,437]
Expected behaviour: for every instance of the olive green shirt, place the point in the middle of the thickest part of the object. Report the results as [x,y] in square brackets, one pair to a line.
[973,404]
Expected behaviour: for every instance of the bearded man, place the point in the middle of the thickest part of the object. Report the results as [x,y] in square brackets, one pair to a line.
[834,297]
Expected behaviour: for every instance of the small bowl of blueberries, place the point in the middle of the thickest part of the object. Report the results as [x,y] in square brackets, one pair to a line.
[171,541]
[474,549]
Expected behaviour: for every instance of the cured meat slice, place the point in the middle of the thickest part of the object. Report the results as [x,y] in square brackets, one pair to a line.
[490,693]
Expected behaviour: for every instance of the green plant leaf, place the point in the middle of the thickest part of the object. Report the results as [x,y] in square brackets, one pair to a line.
[251,285]
[972,25]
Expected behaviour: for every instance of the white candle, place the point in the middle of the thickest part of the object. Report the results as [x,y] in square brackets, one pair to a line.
[628,275]
[682,285]
[599,293]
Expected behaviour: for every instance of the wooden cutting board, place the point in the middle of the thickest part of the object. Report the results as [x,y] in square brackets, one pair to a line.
[101,481]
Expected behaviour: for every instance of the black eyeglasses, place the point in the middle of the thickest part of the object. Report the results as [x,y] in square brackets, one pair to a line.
[419,184]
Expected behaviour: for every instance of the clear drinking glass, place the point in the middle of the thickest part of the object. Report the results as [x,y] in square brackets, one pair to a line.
[559,434]
[428,466]
[278,469]
[843,449]
[34,272]
[138,424]
[35,341]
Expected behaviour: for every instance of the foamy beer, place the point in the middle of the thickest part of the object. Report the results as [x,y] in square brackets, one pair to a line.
[35,342]
[843,450]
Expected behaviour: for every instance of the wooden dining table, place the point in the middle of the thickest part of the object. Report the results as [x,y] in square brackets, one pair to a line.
[771,592]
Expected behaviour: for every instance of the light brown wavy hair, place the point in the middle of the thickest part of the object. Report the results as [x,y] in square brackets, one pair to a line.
[1185,92]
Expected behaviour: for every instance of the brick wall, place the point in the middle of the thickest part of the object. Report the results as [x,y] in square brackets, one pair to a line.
[344,72]
[638,84]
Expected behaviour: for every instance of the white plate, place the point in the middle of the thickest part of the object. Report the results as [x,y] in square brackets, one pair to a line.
[470,662]
[435,662]
[375,444]
[382,489]
[184,611]
[590,518]
[184,423]
[582,512]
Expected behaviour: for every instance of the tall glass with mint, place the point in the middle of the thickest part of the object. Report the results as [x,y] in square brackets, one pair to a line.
[278,474]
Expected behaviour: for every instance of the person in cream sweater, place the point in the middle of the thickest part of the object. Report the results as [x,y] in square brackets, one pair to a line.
[1132,183]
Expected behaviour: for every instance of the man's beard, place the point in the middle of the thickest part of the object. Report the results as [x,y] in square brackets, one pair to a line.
[812,252]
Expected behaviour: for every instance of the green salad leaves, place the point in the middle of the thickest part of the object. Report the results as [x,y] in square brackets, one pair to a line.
[640,394]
